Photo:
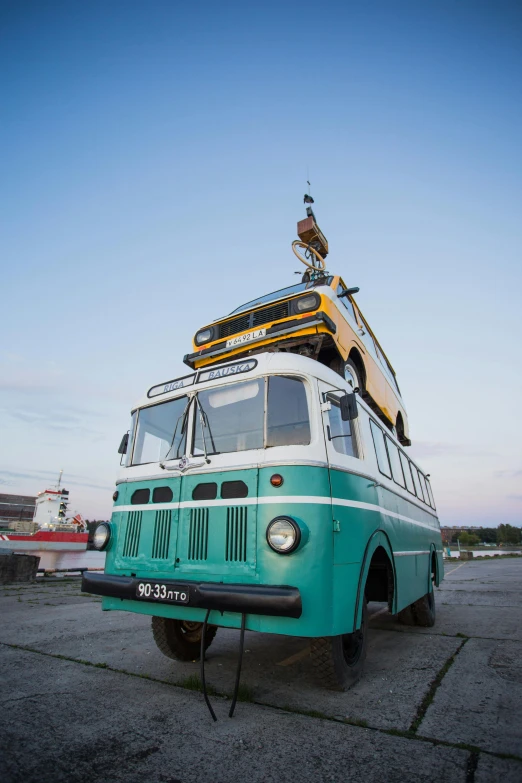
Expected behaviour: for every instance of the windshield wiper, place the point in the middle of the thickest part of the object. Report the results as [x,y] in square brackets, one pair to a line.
[202,417]
[182,417]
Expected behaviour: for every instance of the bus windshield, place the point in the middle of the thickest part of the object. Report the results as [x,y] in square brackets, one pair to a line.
[226,419]
[233,418]
[161,432]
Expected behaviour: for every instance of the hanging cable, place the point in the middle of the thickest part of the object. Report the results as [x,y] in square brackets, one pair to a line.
[202,667]
[240,660]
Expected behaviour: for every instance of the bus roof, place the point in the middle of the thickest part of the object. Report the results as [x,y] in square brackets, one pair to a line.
[241,369]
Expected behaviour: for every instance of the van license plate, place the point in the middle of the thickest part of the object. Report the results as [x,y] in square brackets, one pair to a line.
[156,591]
[246,338]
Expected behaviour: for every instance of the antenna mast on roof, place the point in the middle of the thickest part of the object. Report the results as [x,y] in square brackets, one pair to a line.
[312,240]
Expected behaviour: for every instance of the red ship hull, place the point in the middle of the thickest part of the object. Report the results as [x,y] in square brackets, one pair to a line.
[44,540]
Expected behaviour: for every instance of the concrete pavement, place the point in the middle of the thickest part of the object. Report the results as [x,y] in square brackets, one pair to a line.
[87,695]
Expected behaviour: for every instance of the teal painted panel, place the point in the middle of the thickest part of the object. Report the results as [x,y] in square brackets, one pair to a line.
[156,530]
[225,540]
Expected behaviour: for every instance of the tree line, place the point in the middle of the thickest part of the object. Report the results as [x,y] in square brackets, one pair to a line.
[503,534]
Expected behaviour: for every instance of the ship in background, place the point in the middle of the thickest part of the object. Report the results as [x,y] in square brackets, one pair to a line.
[49,529]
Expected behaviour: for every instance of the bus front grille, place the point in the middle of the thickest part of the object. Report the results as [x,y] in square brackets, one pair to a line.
[265,315]
[236,534]
[198,534]
[132,535]
[161,539]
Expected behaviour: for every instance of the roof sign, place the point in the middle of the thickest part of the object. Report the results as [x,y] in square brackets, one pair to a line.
[170,386]
[226,370]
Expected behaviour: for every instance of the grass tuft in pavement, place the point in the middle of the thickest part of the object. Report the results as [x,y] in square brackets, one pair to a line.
[193,683]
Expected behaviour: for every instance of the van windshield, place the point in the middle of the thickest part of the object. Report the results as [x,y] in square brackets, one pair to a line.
[282,292]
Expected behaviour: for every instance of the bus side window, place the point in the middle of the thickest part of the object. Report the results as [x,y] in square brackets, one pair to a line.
[424,489]
[418,488]
[287,421]
[393,454]
[380,449]
[430,493]
[407,472]
[341,433]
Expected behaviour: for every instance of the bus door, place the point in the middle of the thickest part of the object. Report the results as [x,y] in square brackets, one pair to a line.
[343,461]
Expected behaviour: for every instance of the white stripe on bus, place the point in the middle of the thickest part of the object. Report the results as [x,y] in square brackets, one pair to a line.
[283,499]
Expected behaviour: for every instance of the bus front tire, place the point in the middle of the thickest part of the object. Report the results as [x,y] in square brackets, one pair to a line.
[339,660]
[180,639]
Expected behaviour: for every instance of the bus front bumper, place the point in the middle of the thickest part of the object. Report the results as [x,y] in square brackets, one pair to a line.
[273,600]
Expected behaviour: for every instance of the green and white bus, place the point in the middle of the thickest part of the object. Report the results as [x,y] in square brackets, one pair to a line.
[265,494]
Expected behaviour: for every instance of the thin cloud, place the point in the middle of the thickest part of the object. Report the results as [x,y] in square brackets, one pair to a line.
[58,419]
[7,477]
[515,497]
[508,474]
[440,449]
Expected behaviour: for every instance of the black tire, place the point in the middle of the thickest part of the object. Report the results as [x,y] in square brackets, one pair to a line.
[181,640]
[338,661]
[406,616]
[351,371]
[424,610]
[421,612]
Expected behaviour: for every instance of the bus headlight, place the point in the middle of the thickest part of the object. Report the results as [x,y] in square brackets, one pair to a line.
[101,536]
[306,303]
[203,336]
[283,535]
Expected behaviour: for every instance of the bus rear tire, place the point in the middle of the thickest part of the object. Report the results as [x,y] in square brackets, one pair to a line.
[420,612]
[339,660]
[180,639]
[424,610]
[406,616]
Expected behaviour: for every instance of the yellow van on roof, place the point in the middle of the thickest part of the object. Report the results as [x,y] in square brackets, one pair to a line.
[317,318]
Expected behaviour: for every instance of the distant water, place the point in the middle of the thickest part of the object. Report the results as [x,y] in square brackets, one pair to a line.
[56,560]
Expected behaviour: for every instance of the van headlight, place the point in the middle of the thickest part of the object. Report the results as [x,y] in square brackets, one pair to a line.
[306,303]
[101,536]
[203,336]
[283,535]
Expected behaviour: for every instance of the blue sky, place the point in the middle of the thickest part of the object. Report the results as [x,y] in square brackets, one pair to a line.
[154,160]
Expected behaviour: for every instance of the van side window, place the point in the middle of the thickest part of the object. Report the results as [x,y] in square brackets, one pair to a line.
[380,449]
[407,472]
[340,432]
[395,462]
[346,302]
[424,489]
[418,488]
[430,493]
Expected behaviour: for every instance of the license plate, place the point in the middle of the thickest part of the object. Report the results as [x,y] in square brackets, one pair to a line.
[246,338]
[158,591]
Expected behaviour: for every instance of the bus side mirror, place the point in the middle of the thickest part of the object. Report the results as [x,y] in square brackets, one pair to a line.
[348,403]
[124,443]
